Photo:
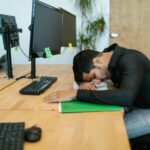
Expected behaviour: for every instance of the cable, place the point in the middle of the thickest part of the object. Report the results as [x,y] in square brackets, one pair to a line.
[23,76]
[23,51]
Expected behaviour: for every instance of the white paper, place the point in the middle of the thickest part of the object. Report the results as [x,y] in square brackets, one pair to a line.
[59,107]
[101,86]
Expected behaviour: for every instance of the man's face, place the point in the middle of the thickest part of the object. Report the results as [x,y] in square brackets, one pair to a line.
[96,75]
[99,73]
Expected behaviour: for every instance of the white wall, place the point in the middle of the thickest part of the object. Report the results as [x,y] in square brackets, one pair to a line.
[21,9]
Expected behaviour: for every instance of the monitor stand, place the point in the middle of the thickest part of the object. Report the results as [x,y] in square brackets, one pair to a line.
[33,68]
[8,65]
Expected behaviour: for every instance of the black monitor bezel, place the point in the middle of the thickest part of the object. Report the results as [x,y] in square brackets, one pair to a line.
[7,26]
[74,43]
[32,53]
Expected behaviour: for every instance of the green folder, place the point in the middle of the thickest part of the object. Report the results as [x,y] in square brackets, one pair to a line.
[75,106]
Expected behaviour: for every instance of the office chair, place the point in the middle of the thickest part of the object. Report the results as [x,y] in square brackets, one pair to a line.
[140,143]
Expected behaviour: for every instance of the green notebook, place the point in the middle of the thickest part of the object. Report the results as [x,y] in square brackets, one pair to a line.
[78,106]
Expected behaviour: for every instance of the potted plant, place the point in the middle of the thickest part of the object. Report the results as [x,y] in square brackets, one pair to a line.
[91,27]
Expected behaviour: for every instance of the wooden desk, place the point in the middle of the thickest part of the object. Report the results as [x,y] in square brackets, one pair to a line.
[18,70]
[73,131]
[10,98]
[80,131]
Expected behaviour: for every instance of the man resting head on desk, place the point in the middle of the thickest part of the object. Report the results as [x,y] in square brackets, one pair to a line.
[128,69]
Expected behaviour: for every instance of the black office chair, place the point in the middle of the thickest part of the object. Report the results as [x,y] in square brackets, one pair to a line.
[140,143]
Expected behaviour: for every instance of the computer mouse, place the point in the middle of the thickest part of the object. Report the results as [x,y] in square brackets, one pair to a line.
[33,134]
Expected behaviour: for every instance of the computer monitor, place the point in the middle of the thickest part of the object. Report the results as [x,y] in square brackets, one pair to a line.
[45,29]
[9,31]
[68,28]
[50,28]
[9,23]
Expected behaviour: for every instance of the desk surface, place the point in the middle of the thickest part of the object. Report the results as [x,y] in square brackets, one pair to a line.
[18,101]
[89,131]
[18,70]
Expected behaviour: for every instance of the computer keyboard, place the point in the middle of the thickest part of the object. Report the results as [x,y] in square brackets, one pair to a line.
[12,136]
[38,86]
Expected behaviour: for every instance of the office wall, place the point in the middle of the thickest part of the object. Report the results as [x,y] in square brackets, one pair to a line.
[21,9]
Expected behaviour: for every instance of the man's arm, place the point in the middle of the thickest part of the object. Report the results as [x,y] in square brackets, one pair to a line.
[87,86]
[62,95]
[123,96]
[67,95]
[132,77]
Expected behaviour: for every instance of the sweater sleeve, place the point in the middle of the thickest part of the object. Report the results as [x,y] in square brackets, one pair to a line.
[132,76]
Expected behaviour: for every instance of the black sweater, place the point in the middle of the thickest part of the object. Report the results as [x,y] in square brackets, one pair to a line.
[130,73]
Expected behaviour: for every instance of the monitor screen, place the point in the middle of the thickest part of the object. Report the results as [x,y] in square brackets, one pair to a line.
[46,30]
[8,24]
[68,28]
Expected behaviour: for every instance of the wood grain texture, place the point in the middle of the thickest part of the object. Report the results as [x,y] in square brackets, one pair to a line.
[89,131]
[18,101]
[72,131]
[130,19]
[18,70]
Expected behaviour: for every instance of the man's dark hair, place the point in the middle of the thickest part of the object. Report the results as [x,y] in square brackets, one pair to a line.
[83,62]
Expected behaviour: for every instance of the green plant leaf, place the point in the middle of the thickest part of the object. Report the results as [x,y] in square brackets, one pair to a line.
[90,30]
[95,27]
[84,6]
[84,41]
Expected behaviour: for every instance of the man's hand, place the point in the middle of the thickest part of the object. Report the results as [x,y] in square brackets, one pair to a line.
[87,86]
[63,95]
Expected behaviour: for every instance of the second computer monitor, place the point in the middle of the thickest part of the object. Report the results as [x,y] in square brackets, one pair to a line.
[68,29]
